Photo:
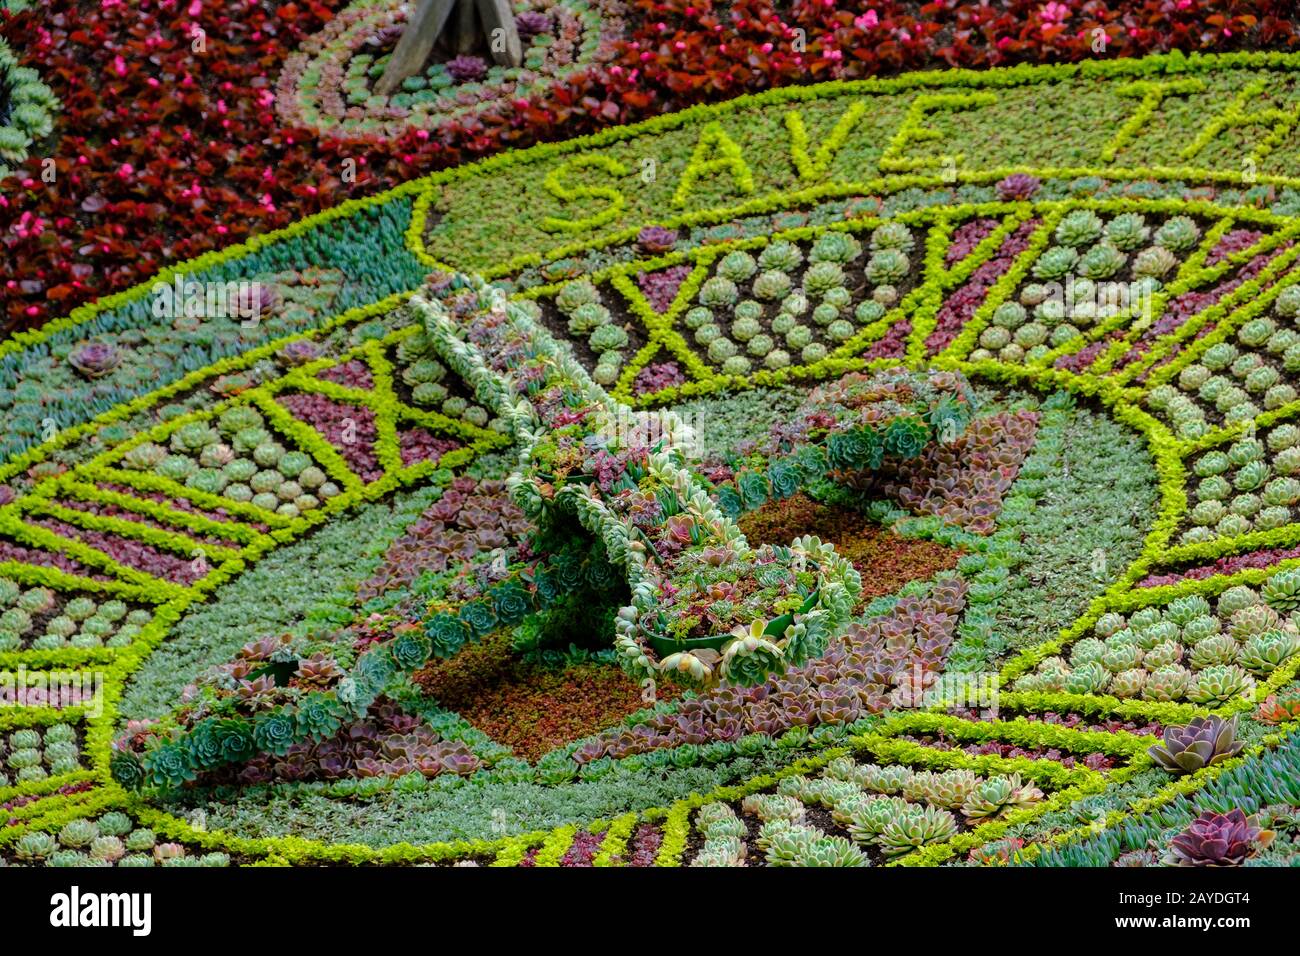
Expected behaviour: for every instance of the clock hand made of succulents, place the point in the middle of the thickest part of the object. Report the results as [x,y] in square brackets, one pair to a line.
[771,446]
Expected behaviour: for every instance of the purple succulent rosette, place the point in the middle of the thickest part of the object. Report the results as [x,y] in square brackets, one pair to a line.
[656,240]
[1018,186]
[326,85]
[1215,839]
[95,359]
[1204,742]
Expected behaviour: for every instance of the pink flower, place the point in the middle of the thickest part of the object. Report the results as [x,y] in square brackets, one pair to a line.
[1055,12]
[867,20]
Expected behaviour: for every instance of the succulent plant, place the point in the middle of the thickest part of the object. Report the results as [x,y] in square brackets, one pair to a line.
[140,839]
[95,359]
[35,846]
[773,806]
[915,828]
[1215,839]
[1079,228]
[1091,678]
[1128,683]
[888,779]
[1219,649]
[892,235]
[1154,261]
[1055,263]
[1255,619]
[1127,231]
[1219,684]
[951,788]
[771,285]
[736,267]
[1178,234]
[144,457]
[1263,653]
[1201,743]
[1281,592]
[997,795]
[78,833]
[1101,261]
[718,292]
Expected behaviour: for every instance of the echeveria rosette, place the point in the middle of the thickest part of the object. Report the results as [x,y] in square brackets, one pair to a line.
[370,676]
[447,634]
[906,437]
[95,359]
[511,602]
[276,732]
[204,742]
[127,769]
[1215,839]
[319,716]
[235,737]
[729,501]
[479,616]
[168,764]
[857,449]
[409,649]
[786,477]
[752,657]
[1203,742]
[753,488]
[546,586]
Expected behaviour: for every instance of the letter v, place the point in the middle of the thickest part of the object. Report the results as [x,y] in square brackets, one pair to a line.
[814,168]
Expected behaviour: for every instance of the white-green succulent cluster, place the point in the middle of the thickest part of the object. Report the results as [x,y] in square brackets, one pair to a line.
[30,106]
[1184,650]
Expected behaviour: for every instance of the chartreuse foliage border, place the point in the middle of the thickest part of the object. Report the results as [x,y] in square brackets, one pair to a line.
[709,172]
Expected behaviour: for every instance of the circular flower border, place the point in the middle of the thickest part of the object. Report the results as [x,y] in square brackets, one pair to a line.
[312,90]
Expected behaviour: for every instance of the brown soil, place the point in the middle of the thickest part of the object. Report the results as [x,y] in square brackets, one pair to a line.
[529,707]
[886,560]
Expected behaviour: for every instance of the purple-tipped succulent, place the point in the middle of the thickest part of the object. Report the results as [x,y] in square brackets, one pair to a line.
[255,300]
[531,23]
[467,69]
[1204,741]
[300,352]
[656,239]
[95,359]
[1017,186]
[1215,839]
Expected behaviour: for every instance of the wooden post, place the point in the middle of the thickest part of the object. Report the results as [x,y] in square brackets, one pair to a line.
[477,21]
[507,50]
[417,41]
[467,35]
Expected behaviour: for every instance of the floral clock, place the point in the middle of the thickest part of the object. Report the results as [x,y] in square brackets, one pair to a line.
[907,487]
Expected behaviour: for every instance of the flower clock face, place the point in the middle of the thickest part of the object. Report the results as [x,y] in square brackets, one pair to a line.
[841,476]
